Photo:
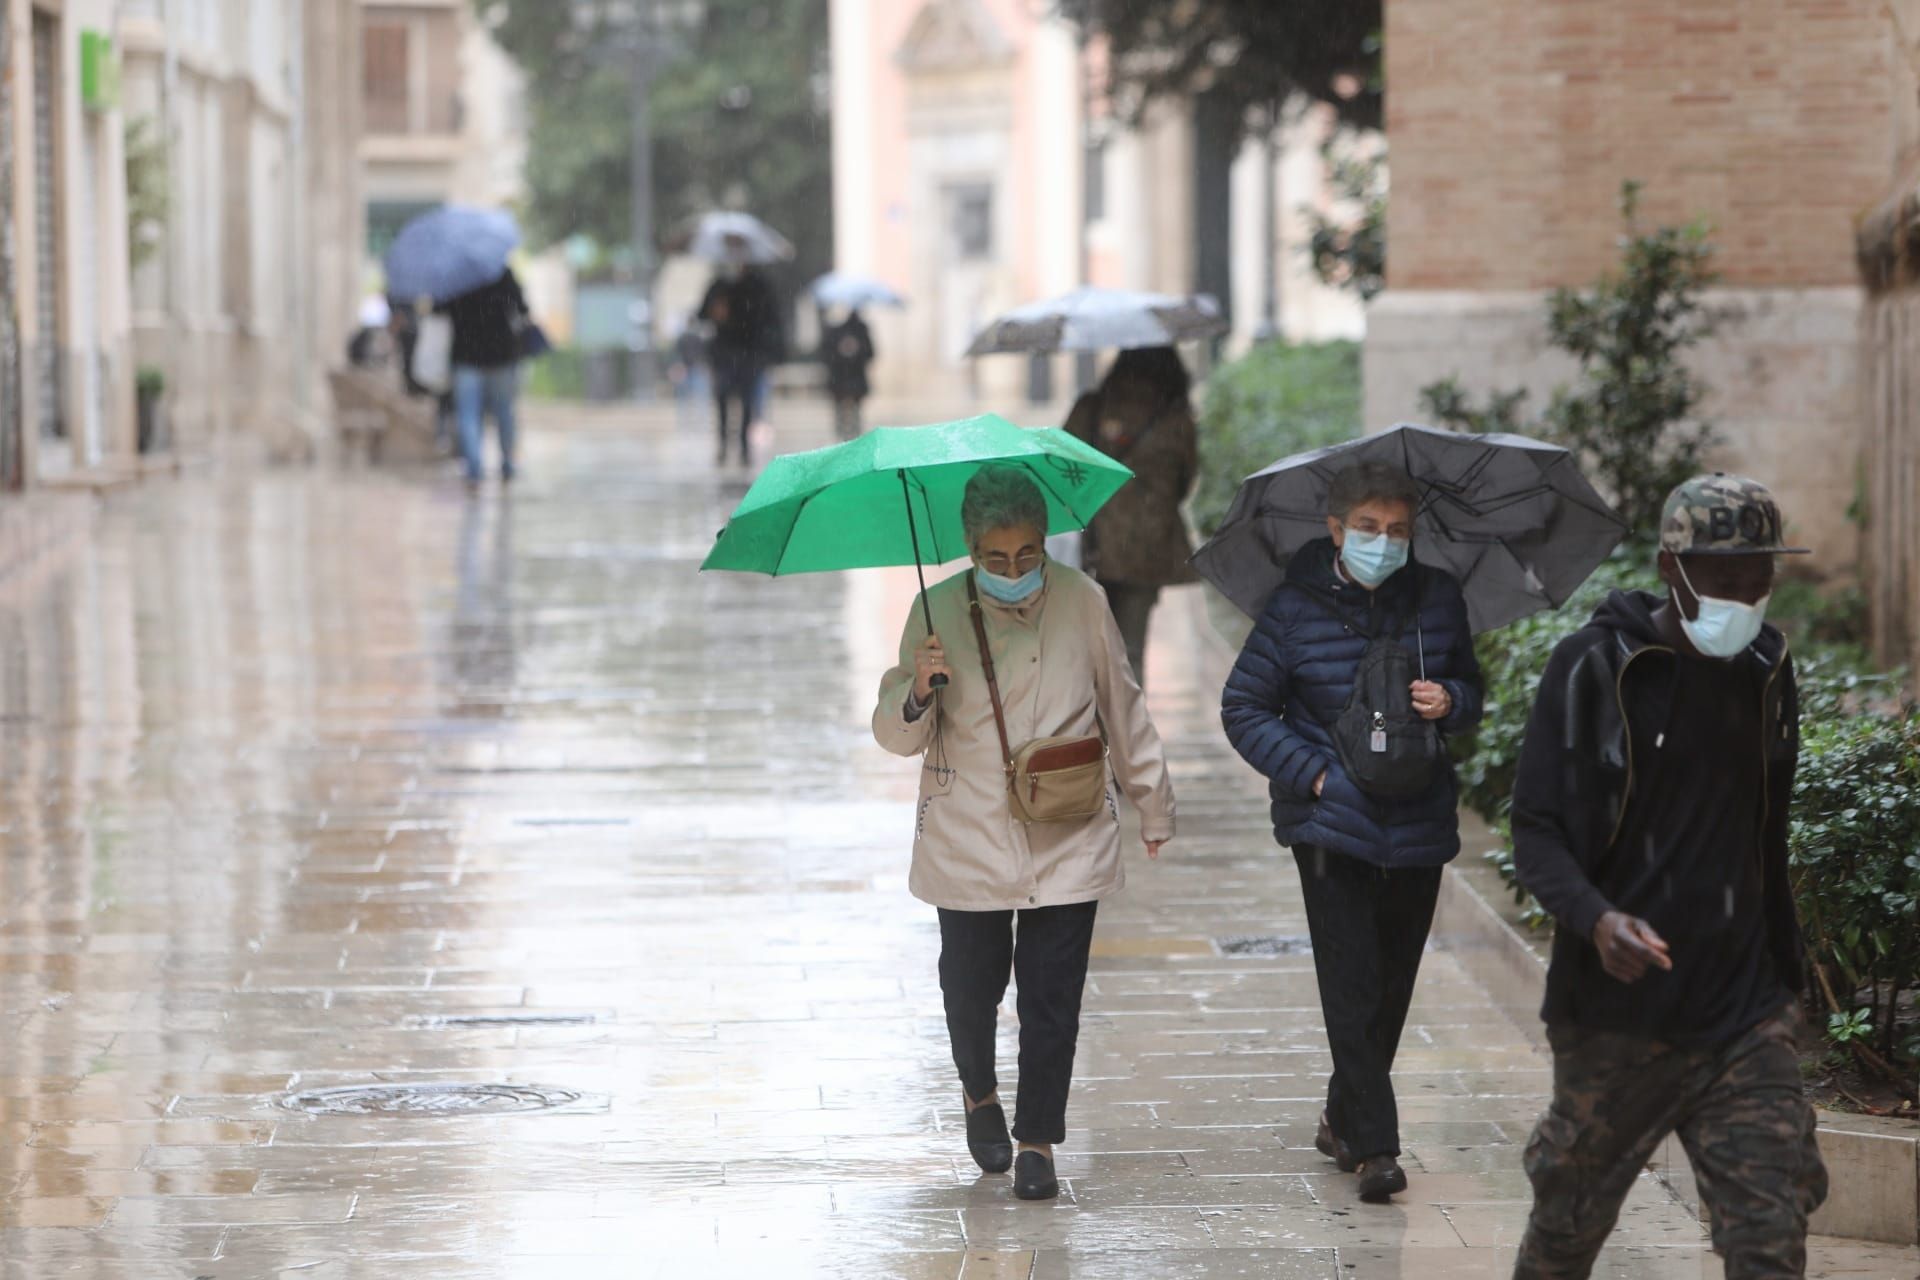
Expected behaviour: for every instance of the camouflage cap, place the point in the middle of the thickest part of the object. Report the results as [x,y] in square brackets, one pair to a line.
[1721,515]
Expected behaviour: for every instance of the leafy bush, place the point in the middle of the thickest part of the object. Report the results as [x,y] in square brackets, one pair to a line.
[1855,853]
[1274,401]
[1632,415]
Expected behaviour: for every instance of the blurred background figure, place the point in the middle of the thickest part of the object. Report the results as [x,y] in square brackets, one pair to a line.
[688,371]
[1140,415]
[487,327]
[744,314]
[371,346]
[847,348]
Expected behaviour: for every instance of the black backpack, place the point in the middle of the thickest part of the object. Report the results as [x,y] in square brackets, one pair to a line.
[1384,745]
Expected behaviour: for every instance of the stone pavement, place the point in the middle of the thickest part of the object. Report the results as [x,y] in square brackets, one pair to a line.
[319,781]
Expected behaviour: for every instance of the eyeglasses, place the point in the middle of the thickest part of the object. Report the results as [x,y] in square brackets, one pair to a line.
[1001,567]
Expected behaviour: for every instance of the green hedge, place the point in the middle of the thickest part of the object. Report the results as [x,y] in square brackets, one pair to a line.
[1275,401]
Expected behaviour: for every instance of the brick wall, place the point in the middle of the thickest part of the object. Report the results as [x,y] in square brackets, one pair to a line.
[1513,122]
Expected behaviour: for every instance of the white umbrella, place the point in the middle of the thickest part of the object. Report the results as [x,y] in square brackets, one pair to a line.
[763,243]
[1101,319]
[846,289]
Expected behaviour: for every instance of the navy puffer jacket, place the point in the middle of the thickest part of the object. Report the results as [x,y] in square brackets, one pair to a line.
[1294,678]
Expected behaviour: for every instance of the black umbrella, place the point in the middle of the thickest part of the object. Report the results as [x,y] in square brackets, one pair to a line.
[1510,517]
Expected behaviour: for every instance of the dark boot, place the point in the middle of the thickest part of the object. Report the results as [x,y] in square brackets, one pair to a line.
[1332,1148]
[1381,1178]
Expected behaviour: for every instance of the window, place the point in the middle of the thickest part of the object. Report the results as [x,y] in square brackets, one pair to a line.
[970,210]
[388,93]
[1096,179]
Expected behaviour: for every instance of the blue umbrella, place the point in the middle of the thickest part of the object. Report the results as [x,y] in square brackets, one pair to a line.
[845,289]
[448,251]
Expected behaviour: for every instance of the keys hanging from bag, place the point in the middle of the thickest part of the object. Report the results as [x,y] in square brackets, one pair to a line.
[1060,779]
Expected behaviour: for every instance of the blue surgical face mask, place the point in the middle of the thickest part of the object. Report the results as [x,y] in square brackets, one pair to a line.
[1725,628]
[1372,558]
[1011,590]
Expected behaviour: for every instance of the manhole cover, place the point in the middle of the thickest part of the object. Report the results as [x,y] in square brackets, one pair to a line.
[1264,944]
[429,1099]
[432,1020]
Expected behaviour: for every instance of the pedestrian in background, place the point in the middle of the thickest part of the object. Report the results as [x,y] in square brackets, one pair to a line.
[1650,817]
[1138,543]
[1359,665]
[1017,896]
[487,326]
[743,312]
[847,348]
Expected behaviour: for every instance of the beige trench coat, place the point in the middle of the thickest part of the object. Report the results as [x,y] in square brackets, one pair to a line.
[1063,670]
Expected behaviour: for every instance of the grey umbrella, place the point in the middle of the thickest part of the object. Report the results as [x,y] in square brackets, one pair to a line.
[1512,518]
[1093,319]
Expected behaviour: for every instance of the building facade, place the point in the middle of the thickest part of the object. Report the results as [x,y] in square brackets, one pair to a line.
[1514,124]
[170,171]
[975,169]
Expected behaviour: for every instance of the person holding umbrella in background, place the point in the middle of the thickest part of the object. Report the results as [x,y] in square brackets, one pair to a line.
[846,346]
[1140,415]
[487,325]
[742,312]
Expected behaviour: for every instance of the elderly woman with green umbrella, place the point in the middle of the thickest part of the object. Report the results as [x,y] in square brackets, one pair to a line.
[1013,687]
[1017,895]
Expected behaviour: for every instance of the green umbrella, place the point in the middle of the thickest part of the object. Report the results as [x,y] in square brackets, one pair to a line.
[892,497]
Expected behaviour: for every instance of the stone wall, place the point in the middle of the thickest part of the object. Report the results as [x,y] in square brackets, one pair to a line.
[1783,379]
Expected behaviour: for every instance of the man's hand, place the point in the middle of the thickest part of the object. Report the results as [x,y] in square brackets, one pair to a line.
[1431,701]
[1629,947]
[929,660]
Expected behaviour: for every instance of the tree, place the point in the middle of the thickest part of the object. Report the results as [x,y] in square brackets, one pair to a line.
[1252,52]
[740,117]
[1632,416]
[1353,254]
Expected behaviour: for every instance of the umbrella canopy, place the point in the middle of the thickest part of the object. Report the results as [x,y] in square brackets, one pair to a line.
[846,289]
[763,244]
[448,251]
[892,497]
[1099,319]
[1510,517]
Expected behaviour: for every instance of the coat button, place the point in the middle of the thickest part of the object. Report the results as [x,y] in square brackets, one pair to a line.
[1031,901]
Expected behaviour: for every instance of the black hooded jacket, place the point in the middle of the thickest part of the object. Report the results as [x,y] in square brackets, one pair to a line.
[1579,788]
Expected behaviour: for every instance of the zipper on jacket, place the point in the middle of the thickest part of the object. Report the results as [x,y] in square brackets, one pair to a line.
[1626,731]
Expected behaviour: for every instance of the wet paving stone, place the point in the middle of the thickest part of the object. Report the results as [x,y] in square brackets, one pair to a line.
[320,781]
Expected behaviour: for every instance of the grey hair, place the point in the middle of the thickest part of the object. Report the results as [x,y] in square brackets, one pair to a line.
[1002,497]
[1365,482]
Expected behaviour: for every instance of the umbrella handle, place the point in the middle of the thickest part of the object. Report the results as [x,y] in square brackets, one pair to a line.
[936,680]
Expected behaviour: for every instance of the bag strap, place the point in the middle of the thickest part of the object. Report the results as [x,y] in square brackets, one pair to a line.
[993,684]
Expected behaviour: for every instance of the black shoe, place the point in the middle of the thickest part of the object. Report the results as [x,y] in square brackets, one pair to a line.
[1033,1177]
[1332,1148]
[1381,1178]
[988,1139]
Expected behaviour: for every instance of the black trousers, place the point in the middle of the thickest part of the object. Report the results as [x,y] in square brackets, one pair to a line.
[978,950]
[735,382]
[1369,927]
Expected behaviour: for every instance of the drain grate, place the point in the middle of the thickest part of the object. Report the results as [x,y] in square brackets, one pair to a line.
[430,1099]
[1264,944]
[431,1021]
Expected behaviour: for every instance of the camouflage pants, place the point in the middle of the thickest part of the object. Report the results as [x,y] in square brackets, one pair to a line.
[1740,1113]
